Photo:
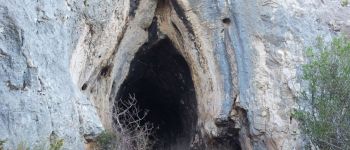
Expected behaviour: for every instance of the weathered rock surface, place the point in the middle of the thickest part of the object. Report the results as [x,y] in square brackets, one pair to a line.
[62,63]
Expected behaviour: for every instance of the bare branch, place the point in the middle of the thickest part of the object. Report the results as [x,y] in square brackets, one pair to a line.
[128,118]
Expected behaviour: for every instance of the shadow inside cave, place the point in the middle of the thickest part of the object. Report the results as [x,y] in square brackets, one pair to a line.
[160,79]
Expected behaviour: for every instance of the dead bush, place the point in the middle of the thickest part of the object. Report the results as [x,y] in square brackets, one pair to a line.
[132,133]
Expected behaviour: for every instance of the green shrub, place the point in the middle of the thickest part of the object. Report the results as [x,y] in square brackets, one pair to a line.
[106,140]
[344,3]
[2,142]
[326,120]
[57,144]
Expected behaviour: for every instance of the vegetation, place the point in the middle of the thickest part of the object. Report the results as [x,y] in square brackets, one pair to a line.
[55,145]
[326,115]
[344,3]
[2,142]
[107,140]
[130,126]
[130,131]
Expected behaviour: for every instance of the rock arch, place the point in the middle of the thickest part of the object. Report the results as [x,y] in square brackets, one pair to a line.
[210,70]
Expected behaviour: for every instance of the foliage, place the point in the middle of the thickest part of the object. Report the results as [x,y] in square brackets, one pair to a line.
[326,120]
[56,144]
[106,140]
[344,3]
[2,142]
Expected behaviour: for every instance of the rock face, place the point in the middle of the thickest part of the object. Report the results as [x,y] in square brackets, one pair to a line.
[63,64]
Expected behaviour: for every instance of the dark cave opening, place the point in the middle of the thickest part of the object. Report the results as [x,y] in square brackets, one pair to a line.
[160,79]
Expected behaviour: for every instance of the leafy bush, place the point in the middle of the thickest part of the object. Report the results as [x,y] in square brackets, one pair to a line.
[344,2]
[107,140]
[2,142]
[326,120]
[57,144]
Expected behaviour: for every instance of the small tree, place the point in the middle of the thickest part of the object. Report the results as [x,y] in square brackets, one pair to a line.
[326,120]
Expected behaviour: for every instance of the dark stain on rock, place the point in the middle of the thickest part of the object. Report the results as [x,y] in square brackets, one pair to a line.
[105,71]
[134,4]
[153,31]
[181,13]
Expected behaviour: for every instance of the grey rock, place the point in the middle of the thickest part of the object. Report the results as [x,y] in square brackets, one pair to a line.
[62,63]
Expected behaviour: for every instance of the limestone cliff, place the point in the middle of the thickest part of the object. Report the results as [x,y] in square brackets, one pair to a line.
[64,63]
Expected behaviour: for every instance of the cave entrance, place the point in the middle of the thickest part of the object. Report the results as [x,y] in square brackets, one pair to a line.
[160,79]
